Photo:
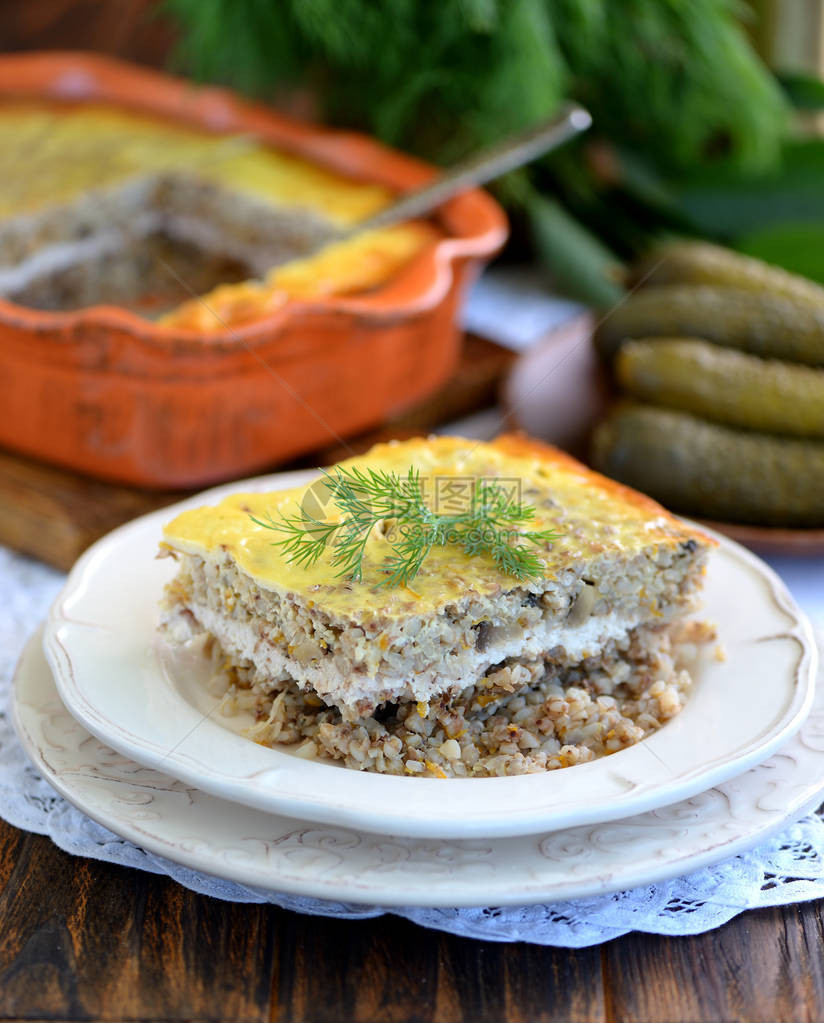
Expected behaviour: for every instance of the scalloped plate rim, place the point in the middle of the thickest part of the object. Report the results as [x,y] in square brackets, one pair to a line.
[421,888]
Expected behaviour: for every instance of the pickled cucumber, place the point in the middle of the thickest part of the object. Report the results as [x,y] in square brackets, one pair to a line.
[724,386]
[702,469]
[761,323]
[692,262]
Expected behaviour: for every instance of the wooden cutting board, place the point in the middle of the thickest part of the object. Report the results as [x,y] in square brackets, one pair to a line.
[54,514]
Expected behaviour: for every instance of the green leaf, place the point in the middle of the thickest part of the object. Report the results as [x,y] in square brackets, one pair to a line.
[797,247]
[581,265]
[724,203]
[805,92]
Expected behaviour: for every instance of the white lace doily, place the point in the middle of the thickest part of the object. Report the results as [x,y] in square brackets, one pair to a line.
[788,868]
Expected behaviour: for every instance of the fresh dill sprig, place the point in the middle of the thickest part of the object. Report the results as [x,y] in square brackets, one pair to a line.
[491,526]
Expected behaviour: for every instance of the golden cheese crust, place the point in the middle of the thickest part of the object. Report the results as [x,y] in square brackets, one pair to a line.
[347,267]
[74,150]
[520,444]
[595,520]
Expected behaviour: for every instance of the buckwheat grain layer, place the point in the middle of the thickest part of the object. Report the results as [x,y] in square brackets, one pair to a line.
[521,718]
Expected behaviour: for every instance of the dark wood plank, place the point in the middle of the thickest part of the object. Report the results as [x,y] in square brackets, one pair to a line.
[54,514]
[388,970]
[554,984]
[132,29]
[86,940]
[765,965]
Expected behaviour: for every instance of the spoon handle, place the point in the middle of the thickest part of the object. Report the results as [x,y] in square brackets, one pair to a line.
[486,165]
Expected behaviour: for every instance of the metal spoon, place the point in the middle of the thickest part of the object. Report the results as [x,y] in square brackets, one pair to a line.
[486,165]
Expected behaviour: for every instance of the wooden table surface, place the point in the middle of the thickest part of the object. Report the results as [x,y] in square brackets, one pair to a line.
[80,940]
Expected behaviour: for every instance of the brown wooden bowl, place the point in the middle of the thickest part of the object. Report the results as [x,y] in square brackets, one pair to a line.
[111,394]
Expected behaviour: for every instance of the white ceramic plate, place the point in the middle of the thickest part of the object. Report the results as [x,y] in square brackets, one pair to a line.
[234,842]
[100,645]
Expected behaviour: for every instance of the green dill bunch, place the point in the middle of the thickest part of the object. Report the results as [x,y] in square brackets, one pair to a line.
[674,79]
[492,526]
[677,79]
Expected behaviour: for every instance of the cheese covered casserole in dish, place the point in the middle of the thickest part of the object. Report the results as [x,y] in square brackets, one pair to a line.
[110,206]
[180,301]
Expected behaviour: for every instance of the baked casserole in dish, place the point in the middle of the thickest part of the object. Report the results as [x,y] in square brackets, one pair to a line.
[178,304]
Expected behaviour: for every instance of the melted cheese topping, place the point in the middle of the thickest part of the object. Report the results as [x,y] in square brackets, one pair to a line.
[591,516]
[51,154]
[343,268]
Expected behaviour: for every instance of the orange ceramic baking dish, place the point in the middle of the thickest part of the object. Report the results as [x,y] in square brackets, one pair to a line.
[109,393]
